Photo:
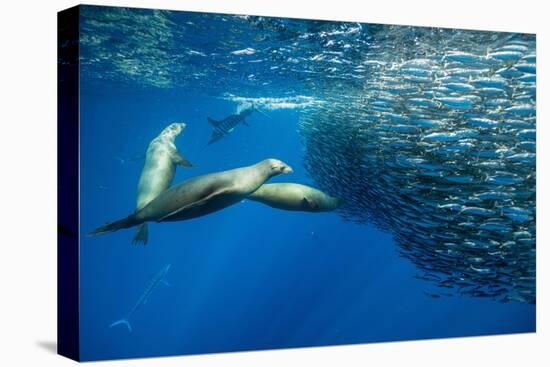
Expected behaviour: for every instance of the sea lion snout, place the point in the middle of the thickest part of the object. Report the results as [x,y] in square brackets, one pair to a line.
[286,169]
[337,202]
[178,127]
[174,129]
[278,167]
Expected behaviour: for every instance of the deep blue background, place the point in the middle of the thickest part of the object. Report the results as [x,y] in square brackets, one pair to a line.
[248,277]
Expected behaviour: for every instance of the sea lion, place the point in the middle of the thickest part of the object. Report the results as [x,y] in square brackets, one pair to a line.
[201,195]
[158,171]
[296,197]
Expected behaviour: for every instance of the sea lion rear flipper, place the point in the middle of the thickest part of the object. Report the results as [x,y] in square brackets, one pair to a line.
[190,206]
[180,160]
[127,222]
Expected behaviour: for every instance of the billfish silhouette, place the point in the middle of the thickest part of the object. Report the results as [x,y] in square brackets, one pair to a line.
[158,278]
[223,127]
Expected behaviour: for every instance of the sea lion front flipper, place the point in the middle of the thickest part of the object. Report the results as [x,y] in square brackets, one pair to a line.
[142,235]
[190,206]
[179,159]
[308,204]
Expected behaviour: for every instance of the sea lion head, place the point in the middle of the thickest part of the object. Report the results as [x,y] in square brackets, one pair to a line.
[318,201]
[277,167]
[173,130]
[334,202]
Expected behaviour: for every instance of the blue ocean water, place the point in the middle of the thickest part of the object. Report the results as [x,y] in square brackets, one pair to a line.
[248,277]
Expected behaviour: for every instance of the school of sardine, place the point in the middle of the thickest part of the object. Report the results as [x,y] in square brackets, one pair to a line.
[438,148]
[427,133]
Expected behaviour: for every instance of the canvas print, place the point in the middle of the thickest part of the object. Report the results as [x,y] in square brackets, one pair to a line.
[241,182]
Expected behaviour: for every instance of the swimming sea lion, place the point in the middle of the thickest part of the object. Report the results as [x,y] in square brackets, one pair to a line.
[201,195]
[296,197]
[158,172]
